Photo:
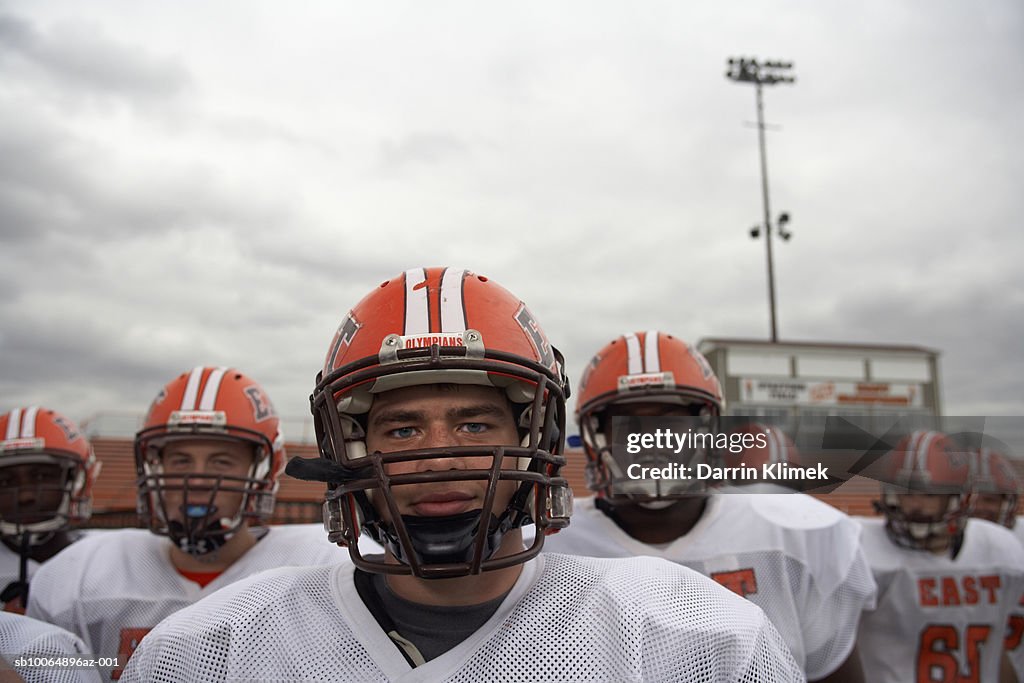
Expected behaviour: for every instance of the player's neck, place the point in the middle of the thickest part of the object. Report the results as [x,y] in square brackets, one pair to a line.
[940,546]
[43,551]
[463,590]
[220,559]
[659,526]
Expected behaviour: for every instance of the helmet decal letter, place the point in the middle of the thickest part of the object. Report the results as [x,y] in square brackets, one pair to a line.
[70,431]
[342,338]
[532,330]
[261,407]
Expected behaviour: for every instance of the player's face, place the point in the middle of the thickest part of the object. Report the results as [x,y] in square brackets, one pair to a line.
[214,458]
[988,506]
[924,506]
[31,492]
[642,409]
[441,416]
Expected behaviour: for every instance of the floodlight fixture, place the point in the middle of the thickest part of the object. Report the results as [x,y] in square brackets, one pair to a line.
[770,72]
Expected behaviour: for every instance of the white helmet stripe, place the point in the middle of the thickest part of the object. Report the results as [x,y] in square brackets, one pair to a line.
[916,457]
[188,401]
[635,362]
[28,422]
[652,360]
[13,424]
[908,455]
[984,465]
[453,315]
[209,398]
[417,315]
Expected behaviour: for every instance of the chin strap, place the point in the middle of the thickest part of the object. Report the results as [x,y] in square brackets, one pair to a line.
[16,592]
[196,537]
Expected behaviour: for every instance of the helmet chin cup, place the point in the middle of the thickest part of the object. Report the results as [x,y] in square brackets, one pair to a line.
[446,540]
[656,504]
[200,533]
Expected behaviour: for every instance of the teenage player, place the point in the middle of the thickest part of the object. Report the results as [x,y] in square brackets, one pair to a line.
[793,556]
[440,412]
[208,462]
[946,586]
[47,469]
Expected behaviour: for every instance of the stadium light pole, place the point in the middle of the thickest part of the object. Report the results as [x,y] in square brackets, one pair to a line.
[749,70]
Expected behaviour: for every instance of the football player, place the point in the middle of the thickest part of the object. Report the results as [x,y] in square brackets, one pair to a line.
[440,414]
[47,469]
[795,557]
[208,461]
[946,586]
[997,489]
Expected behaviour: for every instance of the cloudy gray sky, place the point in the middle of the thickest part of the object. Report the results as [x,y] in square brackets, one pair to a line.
[217,183]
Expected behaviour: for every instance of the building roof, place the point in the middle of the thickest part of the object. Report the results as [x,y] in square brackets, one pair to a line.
[847,346]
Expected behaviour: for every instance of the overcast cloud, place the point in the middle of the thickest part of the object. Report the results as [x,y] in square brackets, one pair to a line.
[217,183]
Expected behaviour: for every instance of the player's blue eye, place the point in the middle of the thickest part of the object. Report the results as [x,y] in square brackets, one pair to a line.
[403,432]
[475,427]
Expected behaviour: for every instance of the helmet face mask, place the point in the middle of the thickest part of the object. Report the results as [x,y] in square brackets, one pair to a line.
[926,496]
[202,501]
[206,470]
[645,374]
[609,462]
[998,508]
[997,487]
[47,469]
[909,527]
[491,350]
[35,493]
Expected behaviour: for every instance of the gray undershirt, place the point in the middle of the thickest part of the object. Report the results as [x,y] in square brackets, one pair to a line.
[433,629]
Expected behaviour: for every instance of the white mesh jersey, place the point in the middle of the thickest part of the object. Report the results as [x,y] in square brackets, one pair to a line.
[111,589]
[1015,634]
[21,636]
[792,555]
[566,619]
[938,617]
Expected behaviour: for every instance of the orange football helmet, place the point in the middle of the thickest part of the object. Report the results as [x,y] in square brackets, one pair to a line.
[37,442]
[994,477]
[642,367]
[208,403]
[440,326]
[927,462]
